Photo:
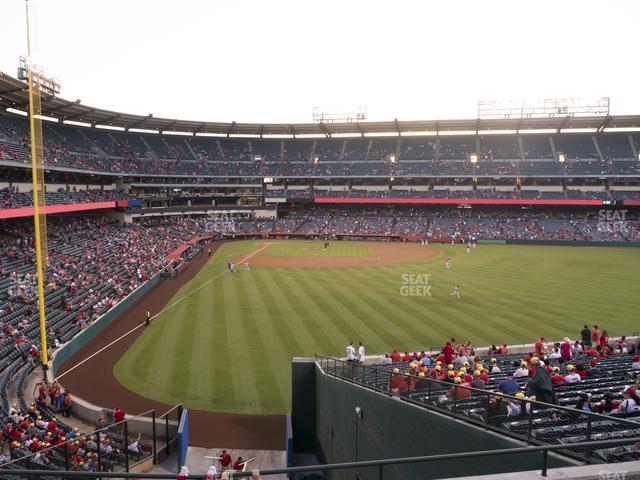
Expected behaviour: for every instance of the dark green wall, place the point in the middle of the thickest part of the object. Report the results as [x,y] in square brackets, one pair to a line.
[394,428]
[303,404]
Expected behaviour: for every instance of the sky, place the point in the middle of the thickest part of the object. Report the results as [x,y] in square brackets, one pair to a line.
[274,61]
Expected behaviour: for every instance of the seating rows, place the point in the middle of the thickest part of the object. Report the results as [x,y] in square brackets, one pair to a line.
[446,224]
[12,198]
[120,152]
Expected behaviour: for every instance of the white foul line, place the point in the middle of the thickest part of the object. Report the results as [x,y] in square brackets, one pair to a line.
[252,254]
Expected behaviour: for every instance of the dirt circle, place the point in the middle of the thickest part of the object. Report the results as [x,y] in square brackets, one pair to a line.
[381,254]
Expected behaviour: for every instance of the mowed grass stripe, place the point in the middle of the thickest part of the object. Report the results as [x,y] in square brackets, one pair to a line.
[218,354]
[339,302]
[242,376]
[326,333]
[301,327]
[264,330]
[369,306]
[325,309]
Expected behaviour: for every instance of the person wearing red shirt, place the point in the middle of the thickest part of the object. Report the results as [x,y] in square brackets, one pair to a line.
[556,378]
[458,390]
[503,350]
[540,347]
[448,352]
[406,357]
[238,465]
[225,459]
[52,426]
[604,339]
[580,370]
[595,335]
[398,381]
[395,356]
[118,415]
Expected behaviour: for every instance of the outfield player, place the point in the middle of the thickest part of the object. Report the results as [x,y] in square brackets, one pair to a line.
[456,292]
[246,266]
[447,264]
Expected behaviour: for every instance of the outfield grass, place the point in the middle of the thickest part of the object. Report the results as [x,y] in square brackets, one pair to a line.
[228,348]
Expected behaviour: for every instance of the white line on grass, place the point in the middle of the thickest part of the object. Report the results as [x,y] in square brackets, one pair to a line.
[252,254]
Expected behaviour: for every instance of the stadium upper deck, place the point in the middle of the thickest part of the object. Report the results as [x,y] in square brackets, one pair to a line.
[524,155]
[96,140]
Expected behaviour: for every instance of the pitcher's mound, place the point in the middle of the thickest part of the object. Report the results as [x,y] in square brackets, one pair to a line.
[382,254]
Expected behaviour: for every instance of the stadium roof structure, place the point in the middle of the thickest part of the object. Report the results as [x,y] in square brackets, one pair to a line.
[14,95]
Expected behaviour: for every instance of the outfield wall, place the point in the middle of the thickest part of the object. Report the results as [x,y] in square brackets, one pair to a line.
[571,243]
[389,428]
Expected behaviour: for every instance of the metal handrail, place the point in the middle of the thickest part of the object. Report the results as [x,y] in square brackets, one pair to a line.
[543,449]
[176,407]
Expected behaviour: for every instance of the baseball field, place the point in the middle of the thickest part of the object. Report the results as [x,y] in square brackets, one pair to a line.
[225,340]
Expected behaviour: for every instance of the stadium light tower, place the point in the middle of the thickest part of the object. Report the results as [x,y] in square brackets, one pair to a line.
[339,114]
[544,108]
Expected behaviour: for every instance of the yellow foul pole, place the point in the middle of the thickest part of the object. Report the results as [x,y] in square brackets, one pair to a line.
[38,192]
